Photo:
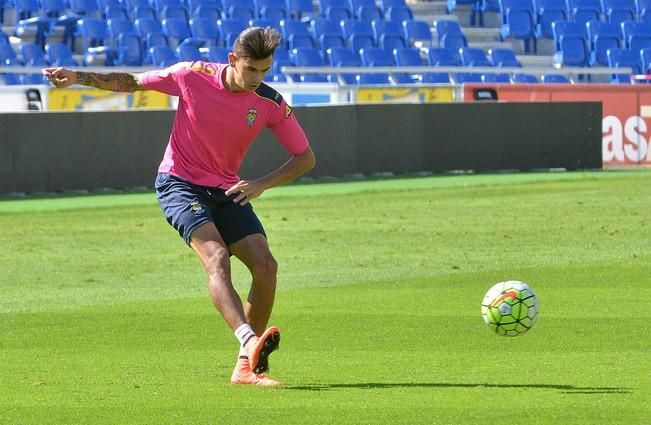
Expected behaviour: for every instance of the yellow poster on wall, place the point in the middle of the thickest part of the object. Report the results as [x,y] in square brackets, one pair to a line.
[89,99]
[405,94]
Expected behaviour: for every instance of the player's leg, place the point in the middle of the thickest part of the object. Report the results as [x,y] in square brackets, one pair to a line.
[191,210]
[213,253]
[254,252]
[211,249]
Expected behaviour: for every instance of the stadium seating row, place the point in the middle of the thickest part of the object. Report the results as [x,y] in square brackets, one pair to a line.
[581,11]
[162,32]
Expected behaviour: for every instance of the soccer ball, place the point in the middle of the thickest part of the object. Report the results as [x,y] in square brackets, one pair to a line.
[510,308]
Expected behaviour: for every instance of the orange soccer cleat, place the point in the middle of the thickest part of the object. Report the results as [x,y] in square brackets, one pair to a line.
[259,349]
[243,375]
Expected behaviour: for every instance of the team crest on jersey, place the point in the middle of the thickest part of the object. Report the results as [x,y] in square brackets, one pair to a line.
[251,116]
[288,111]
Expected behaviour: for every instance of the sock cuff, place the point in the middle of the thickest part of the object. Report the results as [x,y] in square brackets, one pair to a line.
[243,333]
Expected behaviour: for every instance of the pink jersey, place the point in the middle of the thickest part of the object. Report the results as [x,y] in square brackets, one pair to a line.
[214,127]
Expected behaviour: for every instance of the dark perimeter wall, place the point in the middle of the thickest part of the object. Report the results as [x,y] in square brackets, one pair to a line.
[58,151]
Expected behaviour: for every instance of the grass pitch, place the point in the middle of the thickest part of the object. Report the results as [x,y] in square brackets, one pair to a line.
[106,319]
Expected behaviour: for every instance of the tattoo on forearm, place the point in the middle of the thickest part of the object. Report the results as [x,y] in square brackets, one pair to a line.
[114,81]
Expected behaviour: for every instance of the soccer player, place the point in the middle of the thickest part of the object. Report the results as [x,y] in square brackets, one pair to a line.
[221,110]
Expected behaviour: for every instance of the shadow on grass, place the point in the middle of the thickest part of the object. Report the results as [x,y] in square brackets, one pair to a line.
[566,389]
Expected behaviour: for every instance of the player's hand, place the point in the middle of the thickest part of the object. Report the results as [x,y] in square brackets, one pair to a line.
[60,77]
[245,190]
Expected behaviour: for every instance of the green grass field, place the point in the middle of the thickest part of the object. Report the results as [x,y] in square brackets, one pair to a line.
[106,318]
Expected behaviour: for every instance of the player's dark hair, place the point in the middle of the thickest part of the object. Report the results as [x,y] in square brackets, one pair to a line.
[256,43]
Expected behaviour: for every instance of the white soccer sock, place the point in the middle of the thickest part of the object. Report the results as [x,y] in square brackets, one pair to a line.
[243,333]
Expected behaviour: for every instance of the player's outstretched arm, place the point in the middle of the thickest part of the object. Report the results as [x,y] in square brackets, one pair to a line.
[112,81]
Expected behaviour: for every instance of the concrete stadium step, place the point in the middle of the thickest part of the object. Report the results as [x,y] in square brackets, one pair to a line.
[536,60]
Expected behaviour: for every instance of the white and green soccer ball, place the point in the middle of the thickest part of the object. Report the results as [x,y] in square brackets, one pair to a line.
[510,308]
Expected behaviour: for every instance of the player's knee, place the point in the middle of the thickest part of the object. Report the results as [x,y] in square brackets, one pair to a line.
[265,269]
[218,262]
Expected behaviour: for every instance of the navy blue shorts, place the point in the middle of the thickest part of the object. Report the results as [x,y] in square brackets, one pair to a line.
[187,206]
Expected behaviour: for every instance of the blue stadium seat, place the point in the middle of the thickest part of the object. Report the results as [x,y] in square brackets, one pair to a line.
[272,9]
[417,32]
[146,26]
[645,60]
[388,35]
[618,11]
[216,54]
[369,13]
[299,9]
[601,37]
[501,57]
[207,11]
[492,77]
[277,74]
[373,79]
[177,31]
[132,4]
[162,56]
[85,8]
[116,12]
[637,35]
[130,49]
[398,13]
[32,79]
[119,26]
[377,56]
[473,56]
[264,22]
[467,77]
[358,34]
[175,11]
[213,4]
[241,12]
[59,54]
[582,11]
[26,9]
[188,52]
[524,78]
[520,24]
[206,30]
[409,56]
[161,4]
[344,57]
[296,34]
[385,4]
[30,24]
[554,79]
[548,11]
[8,56]
[449,35]
[562,29]
[618,58]
[57,11]
[144,12]
[356,4]
[572,52]
[327,33]
[644,10]
[309,56]
[33,55]
[435,78]
[335,9]
[439,56]
[229,29]
[93,32]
